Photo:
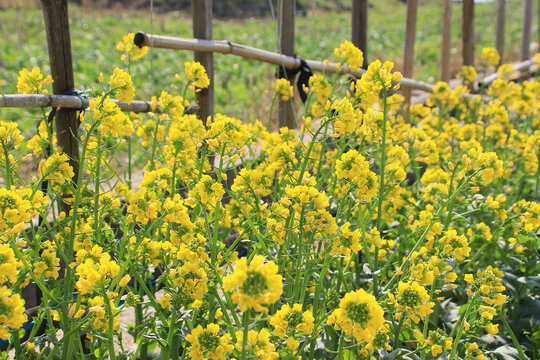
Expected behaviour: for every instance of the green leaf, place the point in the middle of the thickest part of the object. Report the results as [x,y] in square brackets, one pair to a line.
[505,352]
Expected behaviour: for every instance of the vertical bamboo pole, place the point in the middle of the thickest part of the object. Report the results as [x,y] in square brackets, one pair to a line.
[55,13]
[468,32]
[202,29]
[526,35]
[410,35]
[286,46]
[359,27]
[446,40]
[499,39]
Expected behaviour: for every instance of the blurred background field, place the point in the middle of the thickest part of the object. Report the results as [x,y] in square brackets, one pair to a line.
[242,85]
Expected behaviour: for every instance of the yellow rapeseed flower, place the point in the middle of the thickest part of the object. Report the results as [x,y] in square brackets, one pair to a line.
[414,298]
[9,265]
[121,82]
[254,285]
[12,315]
[490,57]
[32,82]
[258,344]
[359,314]
[207,344]
[350,54]
[56,168]
[289,320]
[112,119]
[283,88]
[196,74]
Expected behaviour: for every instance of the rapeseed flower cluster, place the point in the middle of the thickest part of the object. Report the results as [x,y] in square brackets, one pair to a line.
[196,75]
[283,89]
[33,82]
[350,54]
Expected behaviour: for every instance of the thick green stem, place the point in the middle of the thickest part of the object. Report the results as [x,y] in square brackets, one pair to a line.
[8,166]
[172,339]
[246,317]
[97,180]
[138,323]
[515,341]
[381,187]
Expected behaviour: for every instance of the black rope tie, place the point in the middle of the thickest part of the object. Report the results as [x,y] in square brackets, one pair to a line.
[303,78]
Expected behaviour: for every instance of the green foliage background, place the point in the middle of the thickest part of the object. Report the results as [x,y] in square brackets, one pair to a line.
[241,85]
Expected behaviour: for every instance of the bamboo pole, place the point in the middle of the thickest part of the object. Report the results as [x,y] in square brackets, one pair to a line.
[499,38]
[410,35]
[287,9]
[446,40]
[359,27]
[468,32]
[55,13]
[73,102]
[202,29]
[517,67]
[227,47]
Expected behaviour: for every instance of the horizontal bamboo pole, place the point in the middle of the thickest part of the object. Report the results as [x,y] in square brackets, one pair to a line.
[72,102]
[227,47]
[517,67]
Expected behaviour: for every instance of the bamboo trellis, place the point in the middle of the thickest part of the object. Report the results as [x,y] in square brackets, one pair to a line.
[74,102]
[227,47]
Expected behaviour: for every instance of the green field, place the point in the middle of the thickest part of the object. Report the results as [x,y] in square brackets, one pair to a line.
[241,85]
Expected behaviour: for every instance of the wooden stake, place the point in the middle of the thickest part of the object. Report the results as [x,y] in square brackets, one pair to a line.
[410,35]
[526,35]
[286,46]
[359,27]
[55,13]
[202,29]
[468,32]
[446,40]
[499,39]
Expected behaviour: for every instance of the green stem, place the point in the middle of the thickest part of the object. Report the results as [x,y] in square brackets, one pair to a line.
[17,343]
[310,148]
[426,321]
[154,145]
[172,339]
[138,323]
[381,187]
[398,331]
[8,166]
[246,316]
[130,170]
[515,341]
[457,330]
[110,315]
[97,179]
